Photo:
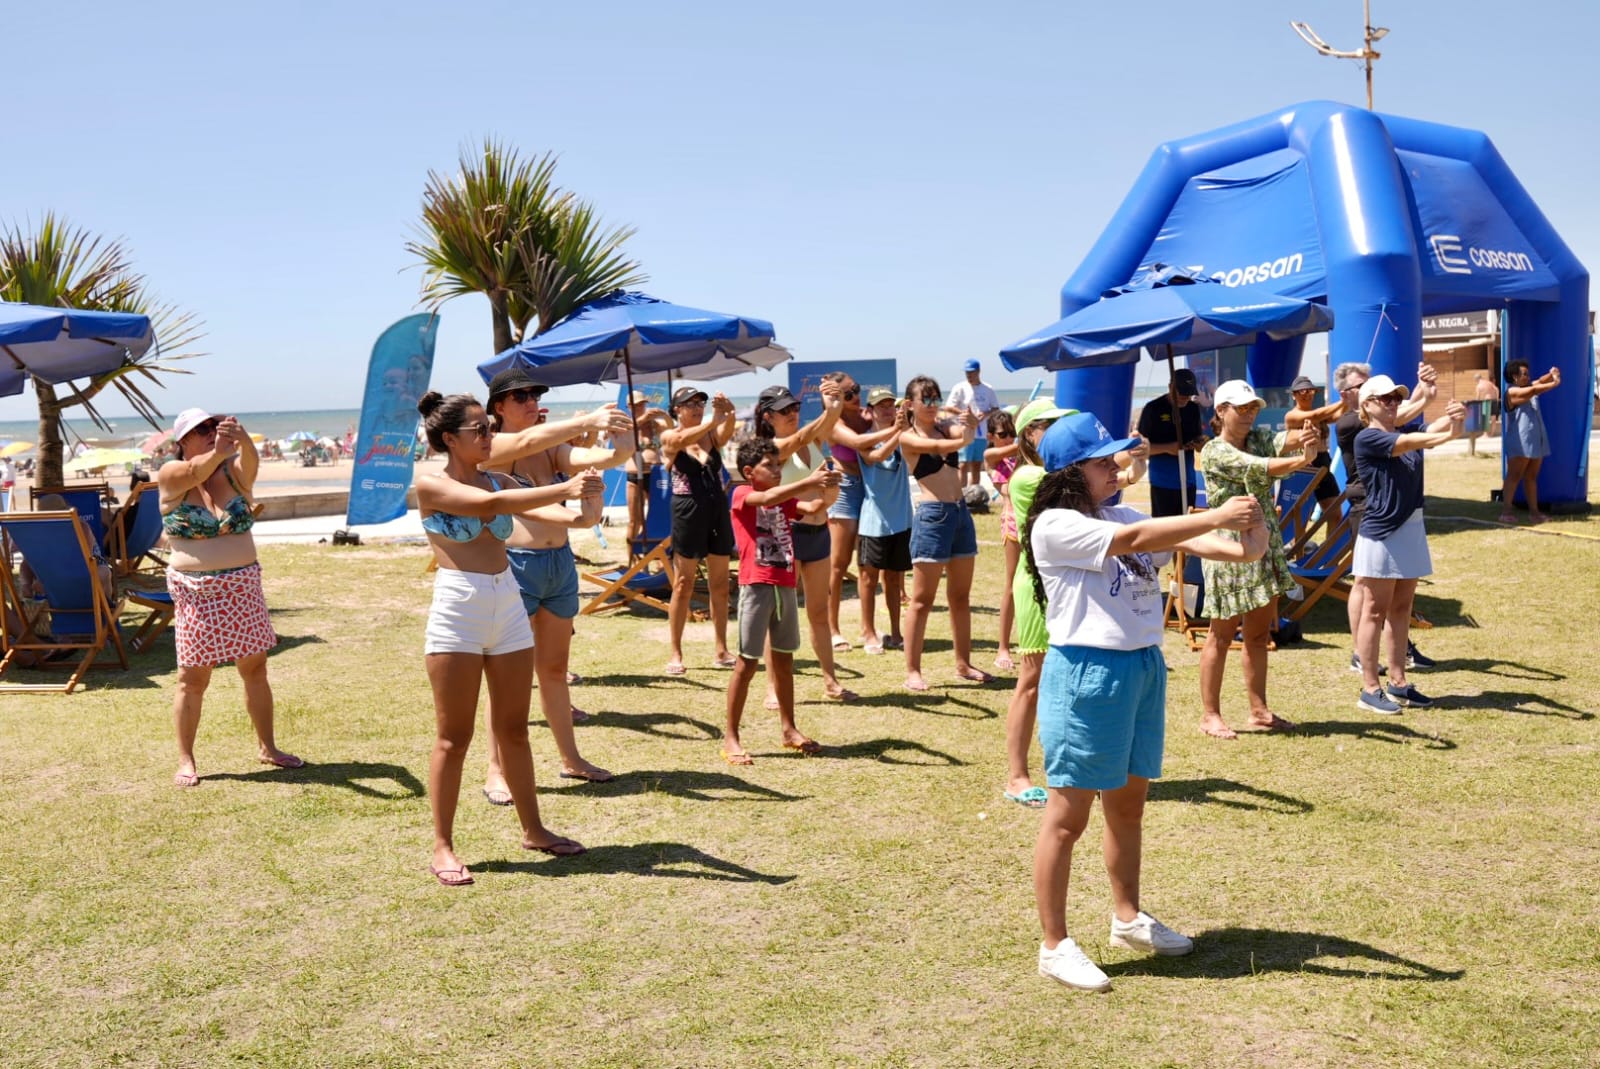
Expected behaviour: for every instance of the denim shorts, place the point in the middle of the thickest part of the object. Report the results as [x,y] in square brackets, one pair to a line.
[1102,715]
[547,578]
[474,612]
[851,494]
[942,531]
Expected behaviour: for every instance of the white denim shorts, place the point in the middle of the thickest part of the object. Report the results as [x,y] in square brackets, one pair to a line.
[474,612]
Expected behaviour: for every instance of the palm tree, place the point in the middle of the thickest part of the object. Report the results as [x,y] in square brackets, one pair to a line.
[60,266]
[503,228]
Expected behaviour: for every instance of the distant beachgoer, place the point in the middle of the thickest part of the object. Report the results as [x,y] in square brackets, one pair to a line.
[1001,458]
[477,626]
[943,539]
[801,452]
[764,512]
[1241,461]
[701,528]
[853,432]
[539,553]
[649,422]
[1527,444]
[973,395]
[1391,550]
[1103,691]
[219,608]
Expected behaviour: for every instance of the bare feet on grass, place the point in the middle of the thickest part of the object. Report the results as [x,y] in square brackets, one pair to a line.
[1217,728]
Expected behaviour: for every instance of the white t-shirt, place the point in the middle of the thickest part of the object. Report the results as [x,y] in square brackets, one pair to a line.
[1092,599]
[980,398]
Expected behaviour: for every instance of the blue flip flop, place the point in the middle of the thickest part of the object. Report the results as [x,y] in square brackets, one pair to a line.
[1032,798]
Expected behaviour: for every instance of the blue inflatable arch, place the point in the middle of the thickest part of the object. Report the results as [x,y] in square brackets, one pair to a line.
[1385,219]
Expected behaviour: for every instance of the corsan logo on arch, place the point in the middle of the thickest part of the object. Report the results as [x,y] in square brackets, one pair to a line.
[1261,272]
[1447,251]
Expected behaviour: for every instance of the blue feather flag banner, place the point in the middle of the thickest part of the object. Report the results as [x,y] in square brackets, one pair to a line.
[397,377]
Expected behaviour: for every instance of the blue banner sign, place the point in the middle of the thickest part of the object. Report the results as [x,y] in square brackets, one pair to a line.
[397,377]
[805,380]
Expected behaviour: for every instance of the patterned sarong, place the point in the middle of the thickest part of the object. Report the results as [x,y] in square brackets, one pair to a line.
[219,616]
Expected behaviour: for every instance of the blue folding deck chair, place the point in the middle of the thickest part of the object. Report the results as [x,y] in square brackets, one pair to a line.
[639,582]
[135,531]
[85,499]
[83,616]
[1320,569]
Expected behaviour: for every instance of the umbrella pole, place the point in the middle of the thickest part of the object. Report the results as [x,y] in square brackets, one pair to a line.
[1177,425]
[627,370]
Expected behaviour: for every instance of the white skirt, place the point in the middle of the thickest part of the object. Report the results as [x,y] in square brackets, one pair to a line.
[1403,555]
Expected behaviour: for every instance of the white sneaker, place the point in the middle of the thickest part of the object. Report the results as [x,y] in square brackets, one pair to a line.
[1145,933]
[1068,964]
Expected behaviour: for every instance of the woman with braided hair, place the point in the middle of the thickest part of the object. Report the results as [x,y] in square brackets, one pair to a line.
[1102,690]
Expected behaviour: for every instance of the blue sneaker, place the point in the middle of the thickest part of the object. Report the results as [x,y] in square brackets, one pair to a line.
[1415,658]
[1355,665]
[1377,703]
[1409,695]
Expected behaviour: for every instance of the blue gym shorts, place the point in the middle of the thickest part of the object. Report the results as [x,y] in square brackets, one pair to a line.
[547,579]
[1102,715]
[972,452]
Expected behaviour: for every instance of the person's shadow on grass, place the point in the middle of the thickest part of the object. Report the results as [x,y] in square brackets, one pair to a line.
[1494,666]
[681,783]
[1226,792]
[661,725]
[674,860]
[885,751]
[1372,731]
[938,700]
[1510,701]
[357,776]
[1241,953]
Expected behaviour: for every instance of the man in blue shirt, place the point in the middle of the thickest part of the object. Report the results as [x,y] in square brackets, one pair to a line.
[1169,440]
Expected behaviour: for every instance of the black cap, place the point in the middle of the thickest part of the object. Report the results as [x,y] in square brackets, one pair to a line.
[1302,383]
[1183,379]
[775,399]
[684,394]
[513,378]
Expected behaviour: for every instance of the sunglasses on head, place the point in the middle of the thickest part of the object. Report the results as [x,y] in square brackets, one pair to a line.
[522,395]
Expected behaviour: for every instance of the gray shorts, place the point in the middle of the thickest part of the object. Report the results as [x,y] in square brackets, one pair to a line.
[1403,555]
[767,611]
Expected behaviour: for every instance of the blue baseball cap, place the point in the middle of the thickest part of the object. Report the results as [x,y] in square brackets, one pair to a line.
[971,365]
[1076,438]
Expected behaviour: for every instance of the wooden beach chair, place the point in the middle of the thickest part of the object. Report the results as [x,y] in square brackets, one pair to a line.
[83,615]
[647,578]
[135,532]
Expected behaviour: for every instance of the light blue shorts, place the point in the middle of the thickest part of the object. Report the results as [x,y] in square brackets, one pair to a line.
[1403,555]
[1102,715]
[972,452]
[851,494]
[547,578]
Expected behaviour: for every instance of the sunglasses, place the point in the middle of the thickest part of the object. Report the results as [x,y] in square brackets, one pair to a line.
[1390,398]
[522,395]
[208,427]
[477,430]
[852,393]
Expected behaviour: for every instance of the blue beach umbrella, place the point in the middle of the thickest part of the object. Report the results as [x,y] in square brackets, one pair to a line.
[627,336]
[58,345]
[1171,312]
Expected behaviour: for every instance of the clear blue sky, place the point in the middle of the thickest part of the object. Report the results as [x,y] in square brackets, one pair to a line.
[913,180]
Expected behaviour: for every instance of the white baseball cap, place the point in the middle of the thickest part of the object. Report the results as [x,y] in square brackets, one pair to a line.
[188,420]
[1381,386]
[1235,392]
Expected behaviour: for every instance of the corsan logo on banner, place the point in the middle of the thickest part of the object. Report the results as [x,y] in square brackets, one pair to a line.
[1448,251]
[1261,272]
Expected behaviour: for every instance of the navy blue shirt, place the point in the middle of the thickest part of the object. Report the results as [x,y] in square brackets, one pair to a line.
[1394,483]
[1157,428]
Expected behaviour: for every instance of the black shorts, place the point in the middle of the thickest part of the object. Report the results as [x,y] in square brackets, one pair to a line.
[1165,502]
[811,541]
[891,553]
[701,528]
[1327,486]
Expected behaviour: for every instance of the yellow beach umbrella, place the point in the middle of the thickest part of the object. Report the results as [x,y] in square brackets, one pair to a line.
[16,449]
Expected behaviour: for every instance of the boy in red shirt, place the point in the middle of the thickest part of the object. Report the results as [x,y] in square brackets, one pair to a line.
[762,511]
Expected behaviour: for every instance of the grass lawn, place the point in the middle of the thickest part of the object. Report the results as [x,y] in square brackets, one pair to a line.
[1403,891]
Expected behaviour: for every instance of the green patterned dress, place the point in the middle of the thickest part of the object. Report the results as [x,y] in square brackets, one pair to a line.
[1233,588]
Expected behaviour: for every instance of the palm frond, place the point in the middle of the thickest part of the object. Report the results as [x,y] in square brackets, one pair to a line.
[584,261]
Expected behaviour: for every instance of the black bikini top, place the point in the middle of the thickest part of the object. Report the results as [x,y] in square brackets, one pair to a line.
[929,463]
